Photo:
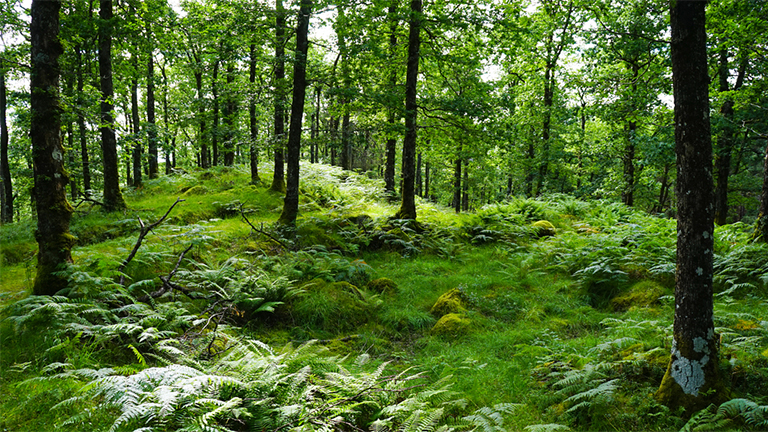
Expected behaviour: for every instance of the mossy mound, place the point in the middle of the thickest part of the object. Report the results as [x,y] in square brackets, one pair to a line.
[382,285]
[448,303]
[330,306]
[544,228]
[311,235]
[452,324]
[642,294]
[193,190]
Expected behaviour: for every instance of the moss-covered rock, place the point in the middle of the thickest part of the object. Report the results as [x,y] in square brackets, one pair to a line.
[194,190]
[448,303]
[330,306]
[382,285]
[642,294]
[452,324]
[544,228]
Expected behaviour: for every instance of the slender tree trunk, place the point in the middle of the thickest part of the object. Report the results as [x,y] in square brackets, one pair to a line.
[291,202]
[426,180]
[151,125]
[168,147]
[628,194]
[418,175]
[53,210]
[278,178]
[456,203]
[726,137]
[465,188]
[202,138]
[761,227]
[82,131]
[408,204]
[215,129]
[136,124]
[692,380]
[6,191]
[391,147]
[254,126]
[113,198]
[230,112]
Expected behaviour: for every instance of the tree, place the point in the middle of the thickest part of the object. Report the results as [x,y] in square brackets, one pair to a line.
[6,187]
[53,210]
[278,177]
[692,380]
[291,202]
[408,202]
[113,198]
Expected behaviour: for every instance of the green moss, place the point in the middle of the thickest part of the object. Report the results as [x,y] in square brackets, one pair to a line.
[452,324]
[194,190]
[544,228]
[642,294]
[448,303]
[333,307]
[382,285]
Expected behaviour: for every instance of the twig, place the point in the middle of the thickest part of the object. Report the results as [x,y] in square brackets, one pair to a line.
[167,284]
[261,230]
[144,231]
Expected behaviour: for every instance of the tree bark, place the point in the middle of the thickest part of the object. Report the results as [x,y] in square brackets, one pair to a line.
[53,210]
[291,202]
[408,203]
[204,160]
[6,191]
[254,126]
[278,177]
[82,131]
[136,123]
[151,125]
[692,380]
[215,130]
[456,202]
[761,228]
[113,198]
[391,146]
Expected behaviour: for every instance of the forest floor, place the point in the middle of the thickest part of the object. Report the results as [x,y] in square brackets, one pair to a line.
[533,314]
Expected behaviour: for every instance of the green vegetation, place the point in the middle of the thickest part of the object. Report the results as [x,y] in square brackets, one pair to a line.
[361,322]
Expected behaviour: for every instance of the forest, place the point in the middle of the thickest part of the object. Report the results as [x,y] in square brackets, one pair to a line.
[383,215]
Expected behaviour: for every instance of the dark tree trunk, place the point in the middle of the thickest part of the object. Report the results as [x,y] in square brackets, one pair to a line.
[465,189]
[391,147]
[230,112]
[151,125]
[692,379]
[254,126]
[113,198]
[291,202]
[549,97]
[215,130]
[346,147]
[82,131]
[418,175]
[6,191]
[456,202]
[426,180]
[204,160]
[725,138]
[168,148]
[408,204]
[136,123]
[278,178]
[628,194]
[761,228]
[53,210]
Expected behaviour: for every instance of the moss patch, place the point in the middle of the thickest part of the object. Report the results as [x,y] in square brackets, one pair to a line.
[448,303]
[544,228]
[642,294]
[382,285]
[452,324]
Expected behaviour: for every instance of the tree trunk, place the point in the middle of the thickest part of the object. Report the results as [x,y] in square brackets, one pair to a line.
[6,191]
[82,131]
[549,97]
[456,203]
[465,188]
[391,147]
[426,180]
[215,130]
[291,202]
[113,198]
[53,210]
[204,160]
[278,177]
[151,125]
[230,112]
[418,175]
[692,380]
[254,127]
[136,123]
[408,204]
[761,228]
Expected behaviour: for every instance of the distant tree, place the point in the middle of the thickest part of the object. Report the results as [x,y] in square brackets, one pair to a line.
[53,211]
[761,227]
[278,176]
[291,203]
[692,380]
[6,187]
[113,198]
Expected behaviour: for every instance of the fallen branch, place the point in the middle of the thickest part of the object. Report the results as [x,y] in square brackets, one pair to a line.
[144,231]
[261,230]
[167,284]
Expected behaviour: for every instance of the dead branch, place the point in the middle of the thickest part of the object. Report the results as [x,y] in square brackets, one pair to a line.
[261,230]
[167,284]
[144,231]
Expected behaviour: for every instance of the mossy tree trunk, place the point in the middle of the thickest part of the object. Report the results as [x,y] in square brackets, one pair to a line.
[761,228]
[113,198]
[291,202]
[53,210]
[408,202]
[6,187]
[692,380]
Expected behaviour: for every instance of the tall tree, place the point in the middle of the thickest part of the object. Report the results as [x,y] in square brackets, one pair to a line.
[6,187]
[761,227]
[278,177]
[151,124]
[408,202]
[692,380]
[113,198]
[291,202]
[53,210]
[254,126]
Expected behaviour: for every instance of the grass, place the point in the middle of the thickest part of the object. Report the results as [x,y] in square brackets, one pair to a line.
[539,308]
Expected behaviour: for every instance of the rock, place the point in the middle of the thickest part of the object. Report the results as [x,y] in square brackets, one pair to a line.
[452,324]
[642,294]
[382,285]
[448,303]
[544,228]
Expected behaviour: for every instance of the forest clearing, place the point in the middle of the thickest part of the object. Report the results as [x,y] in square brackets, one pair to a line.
[498,215]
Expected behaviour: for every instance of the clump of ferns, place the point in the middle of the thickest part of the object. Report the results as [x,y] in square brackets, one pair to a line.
[734,415]
[742,270]
[253,387]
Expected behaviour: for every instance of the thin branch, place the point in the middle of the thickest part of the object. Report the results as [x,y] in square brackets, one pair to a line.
[261,230]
